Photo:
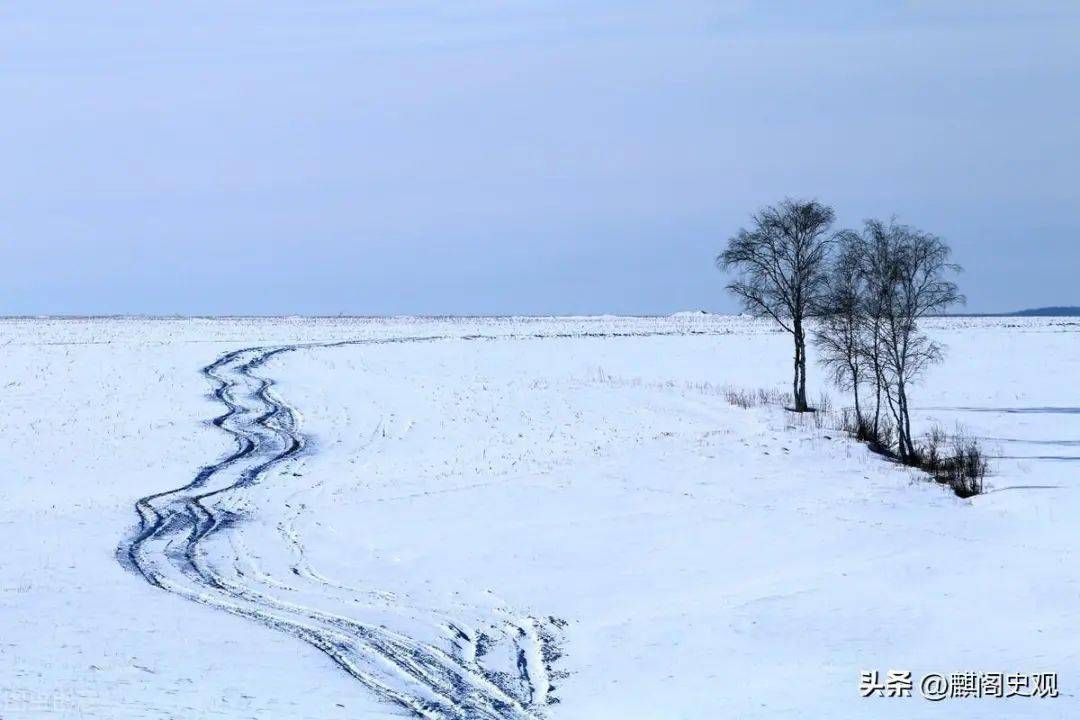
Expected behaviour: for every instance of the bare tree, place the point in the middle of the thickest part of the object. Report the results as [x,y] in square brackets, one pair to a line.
[904,270]
[781,264]
[873,252]
[843,332]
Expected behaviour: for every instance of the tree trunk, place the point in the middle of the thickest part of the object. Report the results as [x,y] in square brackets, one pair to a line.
[904,446]
[894,410]
[905,421]
[879,379]
[877,404]
[795,379]
[855,390]
[802,376]
[799,383]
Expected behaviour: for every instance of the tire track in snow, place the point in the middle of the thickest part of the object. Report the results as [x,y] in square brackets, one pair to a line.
[167,549]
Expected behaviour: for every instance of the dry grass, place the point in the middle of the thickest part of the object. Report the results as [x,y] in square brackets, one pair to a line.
[957,460]
[746,399]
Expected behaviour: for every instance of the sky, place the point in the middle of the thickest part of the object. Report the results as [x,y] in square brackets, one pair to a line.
[516,156]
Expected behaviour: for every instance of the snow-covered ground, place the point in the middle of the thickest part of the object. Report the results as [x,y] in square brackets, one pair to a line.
[514,518]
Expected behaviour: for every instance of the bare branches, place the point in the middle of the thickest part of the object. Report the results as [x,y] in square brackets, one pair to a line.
[885,280]
[842,334]
[867,289]
[780,265]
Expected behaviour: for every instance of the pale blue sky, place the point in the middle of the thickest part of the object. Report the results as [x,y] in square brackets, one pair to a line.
[516,156]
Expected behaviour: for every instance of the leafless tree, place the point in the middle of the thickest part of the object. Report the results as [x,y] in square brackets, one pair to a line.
[843,332]
[781,265]
[904,270]
[873,252]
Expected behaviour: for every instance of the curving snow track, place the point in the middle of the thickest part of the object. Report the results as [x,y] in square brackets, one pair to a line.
[169,548]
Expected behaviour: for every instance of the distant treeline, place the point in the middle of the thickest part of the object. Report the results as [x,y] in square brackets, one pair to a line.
[1053,311]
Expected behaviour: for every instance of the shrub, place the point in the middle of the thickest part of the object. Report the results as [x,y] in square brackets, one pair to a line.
[962,467]
[929,456]
[823,414]
[966,469]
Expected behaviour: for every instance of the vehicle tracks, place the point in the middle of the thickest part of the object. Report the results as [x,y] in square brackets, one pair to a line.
[499,671]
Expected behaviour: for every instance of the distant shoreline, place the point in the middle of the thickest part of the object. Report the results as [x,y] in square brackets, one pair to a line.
[1052,311]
